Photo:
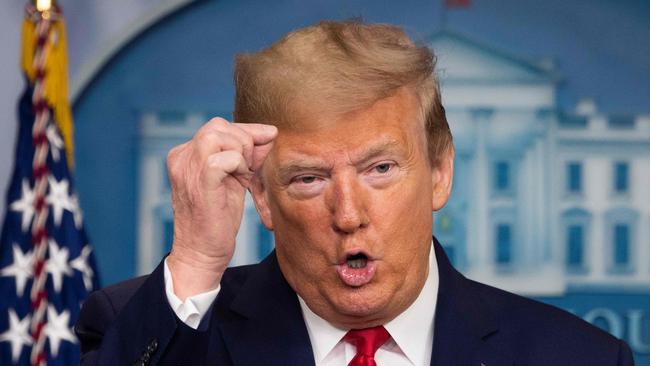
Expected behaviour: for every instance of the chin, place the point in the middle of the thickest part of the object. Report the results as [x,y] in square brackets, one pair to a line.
[364,302]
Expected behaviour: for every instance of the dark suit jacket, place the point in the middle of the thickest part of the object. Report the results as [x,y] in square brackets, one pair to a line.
[256,320]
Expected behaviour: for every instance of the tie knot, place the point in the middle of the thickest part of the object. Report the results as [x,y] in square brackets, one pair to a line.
[367,341]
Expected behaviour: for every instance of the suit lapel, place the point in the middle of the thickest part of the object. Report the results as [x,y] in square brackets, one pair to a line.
[268,327]
[464,327]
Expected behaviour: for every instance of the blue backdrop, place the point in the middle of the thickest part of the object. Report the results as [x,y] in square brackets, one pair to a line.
[161,85]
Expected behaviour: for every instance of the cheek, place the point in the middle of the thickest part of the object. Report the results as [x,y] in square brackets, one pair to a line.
[299,226]
[404,218]
[406,202]
[295,215]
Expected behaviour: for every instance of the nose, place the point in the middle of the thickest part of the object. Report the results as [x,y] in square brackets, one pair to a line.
[348,206]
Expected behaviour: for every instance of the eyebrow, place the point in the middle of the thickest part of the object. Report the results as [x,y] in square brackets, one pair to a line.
[377,150]
[301,165]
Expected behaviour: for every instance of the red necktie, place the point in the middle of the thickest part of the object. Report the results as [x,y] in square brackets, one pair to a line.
[367,341]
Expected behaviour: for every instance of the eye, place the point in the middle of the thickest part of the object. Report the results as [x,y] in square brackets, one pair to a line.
[383,167]
[306,186]
[307,179]
[304,180]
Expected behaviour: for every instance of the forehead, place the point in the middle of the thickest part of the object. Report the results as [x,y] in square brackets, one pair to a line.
[391,122]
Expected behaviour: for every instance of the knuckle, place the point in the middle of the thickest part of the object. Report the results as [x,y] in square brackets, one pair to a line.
[207,138]
[174,152]
[209,127]
[172,159]
[218,121]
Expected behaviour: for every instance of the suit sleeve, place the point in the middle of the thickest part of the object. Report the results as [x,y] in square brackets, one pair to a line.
[96,314]
[625,357]
[126,323]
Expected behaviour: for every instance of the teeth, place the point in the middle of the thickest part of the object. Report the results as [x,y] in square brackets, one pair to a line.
[357,263]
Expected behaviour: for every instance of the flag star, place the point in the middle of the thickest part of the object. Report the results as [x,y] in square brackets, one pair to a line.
[25,205]
[21,268]
[58,198]
[81,264]
[76,211]
[56,143]
[57,264]
[17,334]
[57,329]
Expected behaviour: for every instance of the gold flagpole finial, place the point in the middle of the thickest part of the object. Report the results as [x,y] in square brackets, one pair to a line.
[37,10]
[43,5]
[44,9]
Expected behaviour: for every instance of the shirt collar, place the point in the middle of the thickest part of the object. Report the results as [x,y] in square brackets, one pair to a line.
[407,330]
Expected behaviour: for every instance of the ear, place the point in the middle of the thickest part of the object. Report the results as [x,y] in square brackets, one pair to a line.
[260,198]
[443,176]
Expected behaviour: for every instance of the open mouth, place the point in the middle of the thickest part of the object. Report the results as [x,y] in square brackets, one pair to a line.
[357,261]
[357,269]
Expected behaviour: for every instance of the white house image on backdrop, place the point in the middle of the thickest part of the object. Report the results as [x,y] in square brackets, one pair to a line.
[543,200]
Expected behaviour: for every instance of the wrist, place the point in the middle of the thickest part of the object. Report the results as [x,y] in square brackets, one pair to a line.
[195,274]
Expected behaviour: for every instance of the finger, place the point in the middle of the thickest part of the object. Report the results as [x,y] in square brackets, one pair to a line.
[261,133]
[173,157]
[209,143]
[223,164]
[244,138]
[214,124]
[260,154]
[249,141]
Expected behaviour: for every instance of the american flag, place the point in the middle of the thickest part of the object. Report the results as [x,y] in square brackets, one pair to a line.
[47,267]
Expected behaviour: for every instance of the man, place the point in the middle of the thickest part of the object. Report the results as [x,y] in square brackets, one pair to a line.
[350,156]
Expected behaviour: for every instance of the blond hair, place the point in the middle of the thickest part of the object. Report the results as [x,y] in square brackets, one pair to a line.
[339,67]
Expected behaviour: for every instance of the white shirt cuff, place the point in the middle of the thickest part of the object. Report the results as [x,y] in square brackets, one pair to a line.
[192,310]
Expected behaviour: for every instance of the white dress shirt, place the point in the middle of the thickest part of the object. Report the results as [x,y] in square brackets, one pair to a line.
[411,332]
[191,310]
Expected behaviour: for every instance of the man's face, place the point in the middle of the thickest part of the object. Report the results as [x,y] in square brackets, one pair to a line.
[350,203]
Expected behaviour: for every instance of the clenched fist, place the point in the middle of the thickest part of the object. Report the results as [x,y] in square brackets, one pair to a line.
[209,177]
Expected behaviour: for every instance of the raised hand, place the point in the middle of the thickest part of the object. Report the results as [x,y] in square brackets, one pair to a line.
[209,177]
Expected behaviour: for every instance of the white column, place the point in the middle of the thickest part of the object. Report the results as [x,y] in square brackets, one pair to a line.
[540,217]
[484,242]
[639,198]
[552,192]
[642,240]
[472,233]
[526,209]
[148,250]
[246,248]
